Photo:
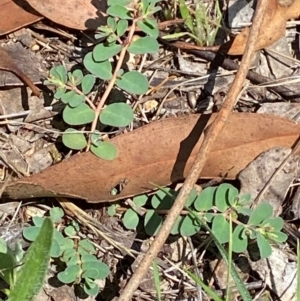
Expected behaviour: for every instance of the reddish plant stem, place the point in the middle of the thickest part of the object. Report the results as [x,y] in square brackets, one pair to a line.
[113,79]
[74,88]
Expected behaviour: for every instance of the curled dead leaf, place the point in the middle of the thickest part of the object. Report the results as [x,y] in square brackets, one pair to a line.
[273,28]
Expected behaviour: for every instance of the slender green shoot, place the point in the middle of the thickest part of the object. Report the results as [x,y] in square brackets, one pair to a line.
[228,290]
[156,280]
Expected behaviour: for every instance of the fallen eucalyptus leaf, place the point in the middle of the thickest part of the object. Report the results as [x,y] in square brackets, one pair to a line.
[161,152]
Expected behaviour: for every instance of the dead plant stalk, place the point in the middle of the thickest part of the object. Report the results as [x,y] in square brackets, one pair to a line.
[211,133]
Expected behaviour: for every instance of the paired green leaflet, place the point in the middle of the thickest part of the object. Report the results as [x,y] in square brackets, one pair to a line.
[74,88]
[213,205]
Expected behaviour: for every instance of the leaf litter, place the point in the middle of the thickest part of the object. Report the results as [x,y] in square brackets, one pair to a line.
[160,152]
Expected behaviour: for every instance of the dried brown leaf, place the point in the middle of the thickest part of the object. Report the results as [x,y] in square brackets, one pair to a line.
[15,14]
[161,152]
[273,28]
[77,14]
[7,63]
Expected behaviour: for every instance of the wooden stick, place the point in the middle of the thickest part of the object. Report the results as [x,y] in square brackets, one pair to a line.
[7,64]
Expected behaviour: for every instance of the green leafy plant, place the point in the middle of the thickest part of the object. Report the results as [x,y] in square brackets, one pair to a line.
[202,22]
[105,63]
[231,269]
[25,274]
[76,255]
[217,207]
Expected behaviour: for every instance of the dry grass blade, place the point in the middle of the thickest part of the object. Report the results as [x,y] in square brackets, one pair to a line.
[210,137]
[91,223]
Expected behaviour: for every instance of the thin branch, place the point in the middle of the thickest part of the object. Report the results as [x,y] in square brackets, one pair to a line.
[114,78]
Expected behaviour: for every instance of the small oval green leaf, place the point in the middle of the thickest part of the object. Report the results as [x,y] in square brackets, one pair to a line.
[58,236]
[80,115]
[163,199]
[56,214]
[279,236]
[54,74]
[68,254]
[239,241]
[177,225]
[88,258]
[74,260]
[152,222]
[133,82]
[119,11]
[104,52]
[130,219]
[38,220]
[87,245]
[260,213]
[31,232]
[144,45]
[67,244]
[264,246]
[112,210]
[101,268]
[122,27]
[55,251]
[88,83]
[191,199]
[111,25]
[60,92]
[105,150]
[205,200]
[74,141]
[76,100]
[140,200]
[102,70]
[274,222]
[69,275]
[59,72]
[70,231]
[65,98]
[150,27]
[225,195]
[220,228]
[117,114]
[90,273]
[77,75]
[90,287]
[189,226]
